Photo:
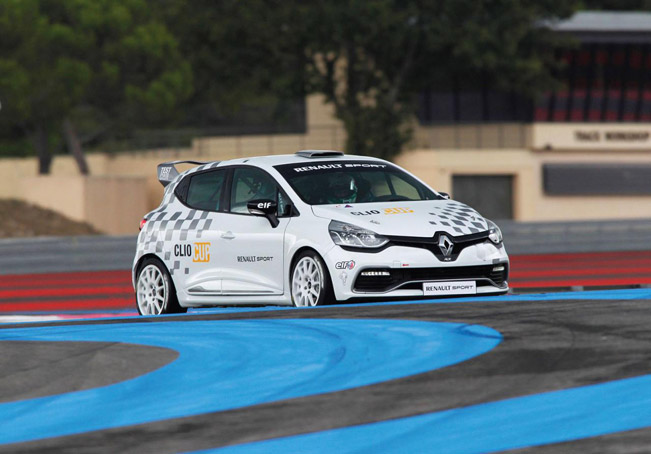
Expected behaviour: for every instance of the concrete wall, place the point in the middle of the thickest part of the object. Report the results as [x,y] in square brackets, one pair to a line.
[110,199]
[111,204]
[116,204]
[65,194]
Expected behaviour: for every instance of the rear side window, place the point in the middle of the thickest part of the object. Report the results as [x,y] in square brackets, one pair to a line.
[205,190]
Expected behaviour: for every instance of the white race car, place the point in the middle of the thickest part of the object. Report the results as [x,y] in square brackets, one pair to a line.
[309,229]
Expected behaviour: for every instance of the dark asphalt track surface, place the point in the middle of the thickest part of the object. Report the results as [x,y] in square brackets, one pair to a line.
[547,346]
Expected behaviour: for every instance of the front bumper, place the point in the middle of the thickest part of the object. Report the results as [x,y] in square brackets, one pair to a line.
[384,280]
[400,271]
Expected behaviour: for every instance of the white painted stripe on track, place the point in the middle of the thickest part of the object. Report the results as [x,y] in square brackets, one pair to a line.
[28,318]
[24,318]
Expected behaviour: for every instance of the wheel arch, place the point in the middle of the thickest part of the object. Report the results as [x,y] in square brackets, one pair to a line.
[294,259]
[172,305]
[295,256]
[141,260]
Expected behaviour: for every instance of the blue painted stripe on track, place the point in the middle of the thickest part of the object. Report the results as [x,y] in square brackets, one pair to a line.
[534,420]
[230,364]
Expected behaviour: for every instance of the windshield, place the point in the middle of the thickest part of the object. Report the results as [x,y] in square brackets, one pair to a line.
[326,182]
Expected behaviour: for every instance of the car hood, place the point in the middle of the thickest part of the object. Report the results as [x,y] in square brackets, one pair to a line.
[417,219]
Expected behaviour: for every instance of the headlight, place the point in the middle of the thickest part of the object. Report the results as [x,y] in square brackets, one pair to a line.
[494,232]
[352,236]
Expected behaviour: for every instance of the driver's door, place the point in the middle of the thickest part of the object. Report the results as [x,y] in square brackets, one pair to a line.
[253,249]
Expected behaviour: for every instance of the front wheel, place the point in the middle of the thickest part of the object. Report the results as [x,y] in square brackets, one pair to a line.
[155,292]
[310,281]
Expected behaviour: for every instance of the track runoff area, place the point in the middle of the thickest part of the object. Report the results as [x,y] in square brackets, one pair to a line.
[540,370]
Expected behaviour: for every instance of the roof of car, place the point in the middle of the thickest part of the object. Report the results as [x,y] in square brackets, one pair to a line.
[170,173]
[274,160]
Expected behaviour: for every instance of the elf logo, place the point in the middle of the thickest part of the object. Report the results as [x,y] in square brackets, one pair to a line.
[264,205]
[347,265]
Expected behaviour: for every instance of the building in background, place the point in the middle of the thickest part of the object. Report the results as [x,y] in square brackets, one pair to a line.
[580,152]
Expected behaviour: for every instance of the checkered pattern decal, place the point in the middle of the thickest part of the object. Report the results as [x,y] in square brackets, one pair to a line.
[172,223]
[461,218]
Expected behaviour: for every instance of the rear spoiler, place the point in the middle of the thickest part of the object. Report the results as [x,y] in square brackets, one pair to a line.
[167,170]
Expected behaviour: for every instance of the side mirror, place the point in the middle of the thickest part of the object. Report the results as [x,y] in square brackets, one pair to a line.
[266,208]
[445,195]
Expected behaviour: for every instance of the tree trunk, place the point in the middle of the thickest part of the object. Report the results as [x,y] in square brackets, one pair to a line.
[40,138]
[74,146]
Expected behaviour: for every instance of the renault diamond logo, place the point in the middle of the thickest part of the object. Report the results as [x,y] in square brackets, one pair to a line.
[446,245]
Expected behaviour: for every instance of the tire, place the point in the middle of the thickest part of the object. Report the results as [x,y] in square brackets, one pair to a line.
[155,292]
[309,281]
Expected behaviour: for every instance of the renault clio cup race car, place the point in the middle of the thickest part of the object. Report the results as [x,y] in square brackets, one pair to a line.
[309,229]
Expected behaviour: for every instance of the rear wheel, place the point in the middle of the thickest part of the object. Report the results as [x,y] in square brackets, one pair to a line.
[310,282]
[155,292]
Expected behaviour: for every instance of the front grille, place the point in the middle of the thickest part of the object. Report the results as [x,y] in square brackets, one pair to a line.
[432,244]
[412,278]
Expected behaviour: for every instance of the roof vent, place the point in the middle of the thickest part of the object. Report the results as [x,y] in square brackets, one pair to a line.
[319,153]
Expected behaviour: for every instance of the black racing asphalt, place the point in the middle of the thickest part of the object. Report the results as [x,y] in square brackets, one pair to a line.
[548,345]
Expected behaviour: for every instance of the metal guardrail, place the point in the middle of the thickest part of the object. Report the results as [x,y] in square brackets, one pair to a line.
[62,254]
[94,253]
[576,236]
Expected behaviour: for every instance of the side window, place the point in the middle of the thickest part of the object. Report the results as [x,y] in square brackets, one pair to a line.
[205,190]
[252,184]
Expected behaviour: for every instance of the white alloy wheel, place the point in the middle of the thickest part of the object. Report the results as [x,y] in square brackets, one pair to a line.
[307,282]
[152,291]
